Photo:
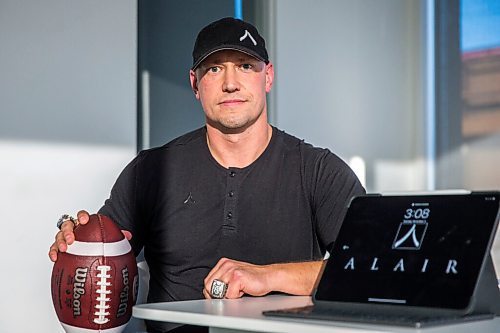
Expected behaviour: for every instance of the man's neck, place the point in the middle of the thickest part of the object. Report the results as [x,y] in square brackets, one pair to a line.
[239,150]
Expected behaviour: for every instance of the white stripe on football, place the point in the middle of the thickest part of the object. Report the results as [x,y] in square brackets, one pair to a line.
[74,329]
[99,249]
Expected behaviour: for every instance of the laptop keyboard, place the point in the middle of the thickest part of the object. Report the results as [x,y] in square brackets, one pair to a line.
[353,316]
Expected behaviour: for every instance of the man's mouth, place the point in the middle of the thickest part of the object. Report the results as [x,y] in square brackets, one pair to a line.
[232,102]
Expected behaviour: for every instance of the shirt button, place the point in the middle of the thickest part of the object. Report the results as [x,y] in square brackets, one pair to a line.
[231,194]
[232,174]
[229,215]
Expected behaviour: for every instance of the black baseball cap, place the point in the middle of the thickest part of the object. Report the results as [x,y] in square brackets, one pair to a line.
[229,34]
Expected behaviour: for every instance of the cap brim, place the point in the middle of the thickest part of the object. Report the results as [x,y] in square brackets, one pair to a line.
[228,47]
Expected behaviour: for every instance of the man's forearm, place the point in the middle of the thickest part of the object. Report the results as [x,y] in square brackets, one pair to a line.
[294,278]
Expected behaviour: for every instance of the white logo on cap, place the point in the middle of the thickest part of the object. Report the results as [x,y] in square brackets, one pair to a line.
[247,34]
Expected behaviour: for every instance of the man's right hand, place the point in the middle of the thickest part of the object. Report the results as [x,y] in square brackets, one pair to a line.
[66,236]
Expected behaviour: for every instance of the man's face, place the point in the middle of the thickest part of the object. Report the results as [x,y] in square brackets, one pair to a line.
[232,87]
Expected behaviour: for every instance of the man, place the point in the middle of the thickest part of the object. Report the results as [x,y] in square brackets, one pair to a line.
[238,204]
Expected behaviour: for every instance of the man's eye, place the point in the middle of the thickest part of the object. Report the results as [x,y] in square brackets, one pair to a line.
[246,67]
[214,69]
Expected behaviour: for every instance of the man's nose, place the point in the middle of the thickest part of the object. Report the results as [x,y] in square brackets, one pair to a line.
[230,83]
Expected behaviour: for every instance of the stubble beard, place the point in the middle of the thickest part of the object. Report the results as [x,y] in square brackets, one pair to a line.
[233,124]
[229,126]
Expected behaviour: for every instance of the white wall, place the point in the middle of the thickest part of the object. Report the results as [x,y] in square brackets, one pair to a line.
[67,128]
[348,77]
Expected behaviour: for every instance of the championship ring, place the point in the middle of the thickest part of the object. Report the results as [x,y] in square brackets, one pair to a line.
[218,289]
[65,218]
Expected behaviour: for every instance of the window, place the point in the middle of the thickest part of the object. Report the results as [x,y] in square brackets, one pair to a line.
[468,94]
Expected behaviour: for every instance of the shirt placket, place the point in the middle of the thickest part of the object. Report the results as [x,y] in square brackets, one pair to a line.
[230,222]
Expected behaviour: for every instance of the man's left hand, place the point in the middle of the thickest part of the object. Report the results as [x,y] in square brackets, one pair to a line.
[241,278]
[296,278]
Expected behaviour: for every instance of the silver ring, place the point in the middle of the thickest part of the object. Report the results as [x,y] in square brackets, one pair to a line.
[64,218]
[218,289]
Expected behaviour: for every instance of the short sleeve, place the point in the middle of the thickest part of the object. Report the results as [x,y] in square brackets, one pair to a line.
[331,185]
[122,206]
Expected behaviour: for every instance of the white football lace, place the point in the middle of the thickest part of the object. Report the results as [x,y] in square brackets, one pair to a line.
[102,299]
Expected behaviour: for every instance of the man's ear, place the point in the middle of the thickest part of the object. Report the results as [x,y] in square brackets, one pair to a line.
[194,83]
[269,76]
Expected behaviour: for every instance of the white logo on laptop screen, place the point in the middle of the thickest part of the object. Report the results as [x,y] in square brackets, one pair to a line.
[411,231]
[409,236]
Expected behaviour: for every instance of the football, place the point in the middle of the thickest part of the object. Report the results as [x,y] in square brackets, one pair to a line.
[94,283]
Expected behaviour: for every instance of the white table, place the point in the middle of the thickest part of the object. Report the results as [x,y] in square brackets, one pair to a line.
[245,315]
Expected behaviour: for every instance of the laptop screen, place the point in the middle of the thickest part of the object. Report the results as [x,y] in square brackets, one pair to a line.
[415,250]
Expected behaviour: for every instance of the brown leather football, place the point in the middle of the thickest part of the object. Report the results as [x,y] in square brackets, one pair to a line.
[94,283]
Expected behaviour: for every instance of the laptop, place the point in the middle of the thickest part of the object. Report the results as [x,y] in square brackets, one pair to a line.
[413,260]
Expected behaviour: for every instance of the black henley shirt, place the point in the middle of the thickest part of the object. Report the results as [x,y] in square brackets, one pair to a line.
[187,211]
